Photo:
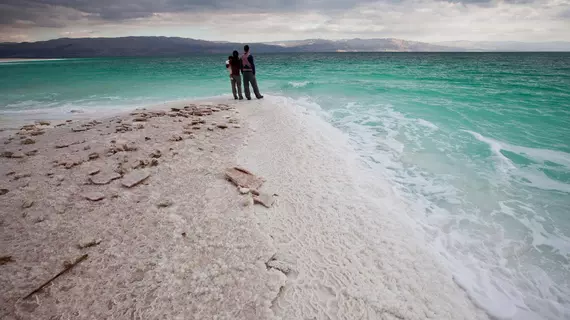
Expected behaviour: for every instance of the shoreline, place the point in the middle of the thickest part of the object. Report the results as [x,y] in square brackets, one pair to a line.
[324,249]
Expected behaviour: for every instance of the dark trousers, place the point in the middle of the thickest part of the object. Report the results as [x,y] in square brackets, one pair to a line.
[236,85]
[249,77]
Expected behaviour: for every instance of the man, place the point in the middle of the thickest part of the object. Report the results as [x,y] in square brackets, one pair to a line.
[248,72]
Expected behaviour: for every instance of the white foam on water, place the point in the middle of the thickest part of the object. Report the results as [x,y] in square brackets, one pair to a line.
[493,243]
[340,228]
[298,84]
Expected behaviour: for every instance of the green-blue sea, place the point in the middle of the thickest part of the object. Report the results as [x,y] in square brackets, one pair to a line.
[476,144]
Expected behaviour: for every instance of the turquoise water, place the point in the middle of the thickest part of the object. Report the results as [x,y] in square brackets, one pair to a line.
[477,145]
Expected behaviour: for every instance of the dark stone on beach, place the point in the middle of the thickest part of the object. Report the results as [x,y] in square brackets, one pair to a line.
[176,138]
[94,171]
[210,129]
[22,175]
[175,109]
[140,119]
[7,154]
[93,156]
[28,141]
[156,154]
[78,129]
[37,132]
[165,204]
[222,126]
[75,111]
[44,123]
[146,138]
[153,163]
[3,191]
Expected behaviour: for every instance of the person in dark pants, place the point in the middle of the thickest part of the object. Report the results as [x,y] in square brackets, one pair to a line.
[248,72]
[235,68]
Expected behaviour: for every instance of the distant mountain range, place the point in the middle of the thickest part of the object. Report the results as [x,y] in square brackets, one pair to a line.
[170,46]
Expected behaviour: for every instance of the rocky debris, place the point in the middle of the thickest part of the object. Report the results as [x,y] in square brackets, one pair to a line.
[153,163]
[175,138]
[134,178]
[94,196]
[196,128]
[93,156]
[222,126]
[165,203]
[93,171]
[156,154]
[104,178]
[28,141]
[70,161]
[244,190]
[175,109]
[32,152]
[28,127]
[37,132]
[188,132]
[22,175]
[79,129]
[124,127]
[87,148]
[44,123]
[3,191]
[210,129]
[146,138]
[27,204]
[140,119]
[66,143]
[89,243]
[264,199]
[237,126]
[68,120]
[140,164]
[7,154]
[140,126]
[232,121]
[243,178]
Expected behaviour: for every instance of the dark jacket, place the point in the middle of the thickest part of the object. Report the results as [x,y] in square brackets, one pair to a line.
[236,66]
[249,66]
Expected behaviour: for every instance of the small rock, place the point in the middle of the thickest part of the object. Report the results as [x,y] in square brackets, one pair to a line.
[87,148]
[27,204]
[184,234]
[5,259]
[176,138]
[22,175]
[40,219]
[32,152]
[75,111]
[156,154]
[49,174]
[93,156]
[78,129]
[44,123]
[3,191]
[7,154]
[165,204]
[94,171]
[196,128]
[94,196]
[244,190]
[68,121]
[222,126]
[146,138]
[37,132]
[264,199]
[210,129]
[237,126]
[139,119]
[175,109]
[153,163]
[102,179]
[89,243]
[134,178]
[10,173]
[28,141]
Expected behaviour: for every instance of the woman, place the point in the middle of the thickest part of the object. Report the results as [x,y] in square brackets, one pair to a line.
[235,70]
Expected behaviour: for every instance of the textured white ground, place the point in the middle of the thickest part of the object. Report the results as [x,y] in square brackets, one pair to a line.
[331,247]
[347,253]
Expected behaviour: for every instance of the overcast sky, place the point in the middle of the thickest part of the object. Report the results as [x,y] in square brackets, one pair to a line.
[273,20]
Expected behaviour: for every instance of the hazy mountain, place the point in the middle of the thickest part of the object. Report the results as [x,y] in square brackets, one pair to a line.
[362,45]
[127,46]
[507,45]
[168,46]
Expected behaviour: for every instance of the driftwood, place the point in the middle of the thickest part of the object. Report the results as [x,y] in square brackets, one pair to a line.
[67,268]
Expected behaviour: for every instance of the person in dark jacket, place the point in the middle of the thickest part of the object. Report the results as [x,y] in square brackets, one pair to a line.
[235,67]
[248,72]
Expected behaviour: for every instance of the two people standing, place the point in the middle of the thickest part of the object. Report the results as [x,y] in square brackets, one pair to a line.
[246,65]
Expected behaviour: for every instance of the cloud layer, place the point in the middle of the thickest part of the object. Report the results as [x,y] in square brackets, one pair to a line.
[268,20]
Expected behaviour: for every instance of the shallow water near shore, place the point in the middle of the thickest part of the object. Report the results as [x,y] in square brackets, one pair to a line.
[476,146]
